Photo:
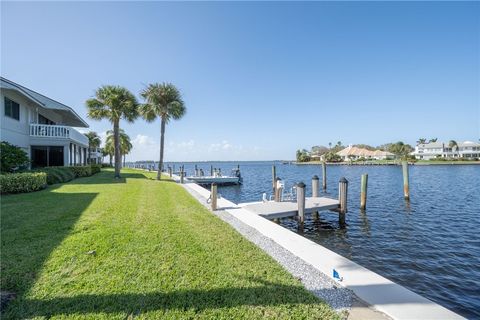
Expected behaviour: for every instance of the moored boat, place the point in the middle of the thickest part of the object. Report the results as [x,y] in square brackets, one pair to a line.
[234,179]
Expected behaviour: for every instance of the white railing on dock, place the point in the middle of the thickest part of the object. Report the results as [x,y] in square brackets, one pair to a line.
[55,131]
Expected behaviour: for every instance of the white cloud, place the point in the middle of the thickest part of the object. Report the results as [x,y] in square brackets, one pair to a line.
[143,140]
[148,148]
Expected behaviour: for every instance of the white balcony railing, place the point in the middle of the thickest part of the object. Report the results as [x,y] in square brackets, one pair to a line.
[54,131]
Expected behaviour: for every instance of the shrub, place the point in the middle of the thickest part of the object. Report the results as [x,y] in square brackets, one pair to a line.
[22,182]
[58,174]
[81,171]
[106,165]
[96,168]
[12,157]
[332,157]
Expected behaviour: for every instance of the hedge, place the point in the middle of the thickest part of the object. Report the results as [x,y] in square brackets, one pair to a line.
[22,182]
[96,168]
[58,174]
[65,174]
[81,171]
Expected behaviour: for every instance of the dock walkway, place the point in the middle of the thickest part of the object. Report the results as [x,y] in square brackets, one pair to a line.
[274,210]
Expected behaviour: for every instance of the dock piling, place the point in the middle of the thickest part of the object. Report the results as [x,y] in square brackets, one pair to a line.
[324,176]
[278,190]
[301,201]
[181,175]
[315,182]
[406,191]
[363,191]
[213,196]
[274,179]
[342,198]
[211,171]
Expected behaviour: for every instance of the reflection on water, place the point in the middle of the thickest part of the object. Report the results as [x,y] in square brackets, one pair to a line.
[430,245]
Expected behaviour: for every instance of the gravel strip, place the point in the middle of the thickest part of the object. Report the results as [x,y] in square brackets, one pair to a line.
[318,283]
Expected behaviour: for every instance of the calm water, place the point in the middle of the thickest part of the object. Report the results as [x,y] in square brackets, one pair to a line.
[430,245]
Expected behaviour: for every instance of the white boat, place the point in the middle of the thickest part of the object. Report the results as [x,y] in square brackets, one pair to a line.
[218,178]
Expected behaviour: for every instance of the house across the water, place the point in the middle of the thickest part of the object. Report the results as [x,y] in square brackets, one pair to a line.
[41,126]
[355,153]
[433,150]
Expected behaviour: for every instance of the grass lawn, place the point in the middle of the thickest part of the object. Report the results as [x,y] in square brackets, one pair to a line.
[158,254]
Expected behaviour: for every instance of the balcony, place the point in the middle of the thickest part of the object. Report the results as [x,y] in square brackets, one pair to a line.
[57,132]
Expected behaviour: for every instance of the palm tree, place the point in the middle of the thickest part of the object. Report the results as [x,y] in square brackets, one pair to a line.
[113,103]
[125,144]
[453,144]
[421,141]
[163,100]
[109,151]
[93,142]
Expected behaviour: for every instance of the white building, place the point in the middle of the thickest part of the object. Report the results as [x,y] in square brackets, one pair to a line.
[96,155]
[433,150]
[41,126]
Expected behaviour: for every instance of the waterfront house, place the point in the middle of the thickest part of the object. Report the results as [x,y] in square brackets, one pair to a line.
[355,153]
[41,126]
[433,150]
[96,155]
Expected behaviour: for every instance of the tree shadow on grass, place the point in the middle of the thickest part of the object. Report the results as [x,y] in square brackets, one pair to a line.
[33,225]
[181,300]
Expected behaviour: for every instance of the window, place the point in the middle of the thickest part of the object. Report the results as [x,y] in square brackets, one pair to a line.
[12,109]
[43,156]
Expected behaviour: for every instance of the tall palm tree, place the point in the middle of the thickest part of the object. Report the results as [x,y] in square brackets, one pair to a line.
[125,143]
[113,103]
[164,101]
[93,142]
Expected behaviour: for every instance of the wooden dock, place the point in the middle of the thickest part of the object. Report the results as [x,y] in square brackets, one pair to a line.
[274,210]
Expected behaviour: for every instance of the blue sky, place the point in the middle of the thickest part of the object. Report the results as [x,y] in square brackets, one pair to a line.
[260,80]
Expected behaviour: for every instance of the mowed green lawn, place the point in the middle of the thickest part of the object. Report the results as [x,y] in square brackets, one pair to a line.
[158,254]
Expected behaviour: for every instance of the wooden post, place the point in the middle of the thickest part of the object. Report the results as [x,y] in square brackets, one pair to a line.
[315,182]
[342,198]
[363,191]
[181,175]
[324,176]
[274,178]
[301,201]
[406,191]
[170,171]
[315,186]
[196,171]
[213,196]
[278,190]
[211,170]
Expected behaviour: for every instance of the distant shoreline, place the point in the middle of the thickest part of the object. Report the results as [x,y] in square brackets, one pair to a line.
[391,163]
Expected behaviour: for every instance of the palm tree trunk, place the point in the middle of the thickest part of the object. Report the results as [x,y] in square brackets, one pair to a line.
[124,156]
[116,140]
[162,140]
